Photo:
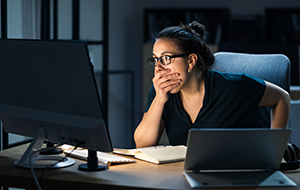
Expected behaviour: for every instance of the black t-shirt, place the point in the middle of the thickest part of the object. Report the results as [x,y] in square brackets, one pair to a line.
[228,99]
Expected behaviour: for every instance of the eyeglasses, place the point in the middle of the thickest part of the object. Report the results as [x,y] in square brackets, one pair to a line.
[164,60]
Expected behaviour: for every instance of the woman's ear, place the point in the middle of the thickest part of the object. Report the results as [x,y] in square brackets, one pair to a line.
[192,60]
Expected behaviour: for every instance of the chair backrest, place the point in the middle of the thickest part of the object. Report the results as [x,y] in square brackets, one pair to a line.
[294,121]
[274,68]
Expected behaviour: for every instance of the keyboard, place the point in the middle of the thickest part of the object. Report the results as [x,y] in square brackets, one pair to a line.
[103,157]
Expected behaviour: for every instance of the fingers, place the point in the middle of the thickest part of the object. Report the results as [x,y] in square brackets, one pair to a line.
[164,81]
[169,83]
[160,72]
[165,75]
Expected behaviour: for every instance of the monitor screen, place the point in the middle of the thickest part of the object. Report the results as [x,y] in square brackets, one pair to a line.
[50,85]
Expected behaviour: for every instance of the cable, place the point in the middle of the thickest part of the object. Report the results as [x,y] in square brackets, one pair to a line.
[32,171]
[68,154]
[31,166]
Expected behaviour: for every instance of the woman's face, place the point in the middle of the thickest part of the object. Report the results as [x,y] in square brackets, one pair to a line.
[178,65]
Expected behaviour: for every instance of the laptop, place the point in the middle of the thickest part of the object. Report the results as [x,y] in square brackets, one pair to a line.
[236,158]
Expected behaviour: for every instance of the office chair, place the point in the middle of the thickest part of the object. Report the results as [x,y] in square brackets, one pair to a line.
[294,121]
[274,68]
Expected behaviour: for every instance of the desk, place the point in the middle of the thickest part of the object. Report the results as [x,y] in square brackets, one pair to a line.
[139,175]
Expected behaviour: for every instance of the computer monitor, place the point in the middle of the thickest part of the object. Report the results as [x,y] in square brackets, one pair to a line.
[48,91]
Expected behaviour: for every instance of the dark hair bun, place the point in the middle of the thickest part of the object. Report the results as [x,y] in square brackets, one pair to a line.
[198,29]
[191,38]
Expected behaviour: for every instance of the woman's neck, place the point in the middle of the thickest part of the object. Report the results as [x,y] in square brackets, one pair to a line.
[194,86]
[192,97]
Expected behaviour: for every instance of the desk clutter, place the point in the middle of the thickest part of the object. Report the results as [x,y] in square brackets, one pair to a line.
[154,154]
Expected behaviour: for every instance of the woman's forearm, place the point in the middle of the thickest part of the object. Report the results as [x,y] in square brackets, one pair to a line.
[150,128]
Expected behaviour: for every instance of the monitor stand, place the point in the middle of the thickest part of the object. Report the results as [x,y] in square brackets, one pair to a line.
[54,150]
[31,157]
[92,163]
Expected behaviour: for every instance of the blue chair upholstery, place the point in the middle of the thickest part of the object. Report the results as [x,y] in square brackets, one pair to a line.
[274,68]
[294,121]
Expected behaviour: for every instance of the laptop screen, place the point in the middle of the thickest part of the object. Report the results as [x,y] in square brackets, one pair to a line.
[235,149]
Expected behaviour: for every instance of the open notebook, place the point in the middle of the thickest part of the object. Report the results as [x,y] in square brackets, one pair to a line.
[236,158]
[156,154]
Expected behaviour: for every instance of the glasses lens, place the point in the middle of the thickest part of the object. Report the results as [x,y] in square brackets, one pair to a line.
[167,60]
[151,62]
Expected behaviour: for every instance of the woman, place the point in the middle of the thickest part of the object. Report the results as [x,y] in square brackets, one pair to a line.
[186,93]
